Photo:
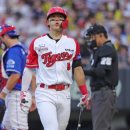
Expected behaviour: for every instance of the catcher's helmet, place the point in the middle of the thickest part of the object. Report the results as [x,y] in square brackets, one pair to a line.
[8,29]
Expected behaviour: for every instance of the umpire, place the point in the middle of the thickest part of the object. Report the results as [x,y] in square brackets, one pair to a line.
[104,77]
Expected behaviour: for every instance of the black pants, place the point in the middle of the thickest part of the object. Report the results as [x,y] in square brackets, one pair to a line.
[103,108]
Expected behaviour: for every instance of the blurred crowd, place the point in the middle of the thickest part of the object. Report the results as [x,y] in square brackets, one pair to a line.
[29,17]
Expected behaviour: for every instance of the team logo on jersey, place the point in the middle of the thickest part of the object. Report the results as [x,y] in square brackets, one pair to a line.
[10,63]
[41,48]
[49,59]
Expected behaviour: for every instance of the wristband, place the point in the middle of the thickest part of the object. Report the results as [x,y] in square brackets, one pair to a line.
[5,90]
[83,89]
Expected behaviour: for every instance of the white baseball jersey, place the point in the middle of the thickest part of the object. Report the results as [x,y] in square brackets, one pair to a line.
[53,59]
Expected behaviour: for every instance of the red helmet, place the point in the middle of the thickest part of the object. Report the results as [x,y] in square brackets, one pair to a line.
[8,29]
[59,10]
[54,10]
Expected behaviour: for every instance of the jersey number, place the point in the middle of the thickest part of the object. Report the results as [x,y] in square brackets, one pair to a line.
[106,61]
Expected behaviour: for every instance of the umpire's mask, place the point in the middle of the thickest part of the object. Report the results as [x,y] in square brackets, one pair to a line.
[91,44]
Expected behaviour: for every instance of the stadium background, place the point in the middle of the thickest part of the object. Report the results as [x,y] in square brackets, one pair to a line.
[29,17]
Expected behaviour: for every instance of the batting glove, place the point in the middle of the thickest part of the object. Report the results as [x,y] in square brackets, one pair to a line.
[85,101]
[25,101]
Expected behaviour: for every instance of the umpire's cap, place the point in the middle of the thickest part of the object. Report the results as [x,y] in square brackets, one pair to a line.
[9,30]
[96,29]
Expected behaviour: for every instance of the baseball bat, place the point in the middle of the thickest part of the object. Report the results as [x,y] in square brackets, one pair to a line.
[79,119]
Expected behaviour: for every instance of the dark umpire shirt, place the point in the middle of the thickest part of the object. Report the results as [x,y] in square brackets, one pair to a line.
[104,67]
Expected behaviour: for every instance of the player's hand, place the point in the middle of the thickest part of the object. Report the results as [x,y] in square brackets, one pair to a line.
[33,106]
[85,101]
[25,101]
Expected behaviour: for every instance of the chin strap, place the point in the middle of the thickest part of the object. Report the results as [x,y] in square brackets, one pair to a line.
[65,23]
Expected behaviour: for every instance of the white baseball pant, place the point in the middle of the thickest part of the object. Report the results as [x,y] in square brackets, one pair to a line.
[53,108]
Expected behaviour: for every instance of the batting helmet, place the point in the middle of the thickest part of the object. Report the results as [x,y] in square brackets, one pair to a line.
[59,10]
[8,29]
[54,10]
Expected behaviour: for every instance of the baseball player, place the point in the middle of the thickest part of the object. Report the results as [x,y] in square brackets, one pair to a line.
[13,63]
[55,56]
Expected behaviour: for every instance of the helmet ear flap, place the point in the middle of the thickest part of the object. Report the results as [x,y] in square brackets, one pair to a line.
[65,23]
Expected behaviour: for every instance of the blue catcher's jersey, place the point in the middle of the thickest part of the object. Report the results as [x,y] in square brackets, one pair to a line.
[14,62]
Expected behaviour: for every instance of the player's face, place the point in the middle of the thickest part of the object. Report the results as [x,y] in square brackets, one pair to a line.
[55,22]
